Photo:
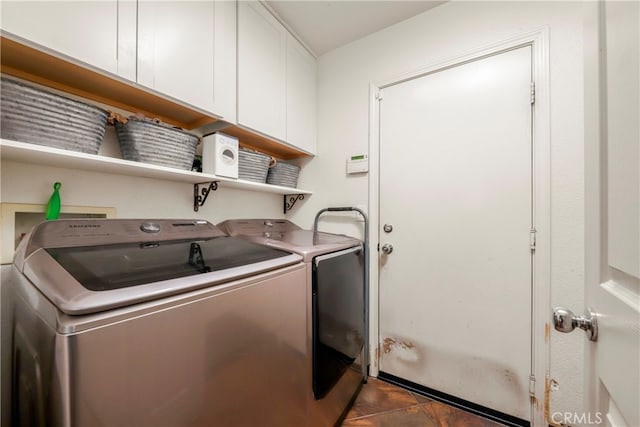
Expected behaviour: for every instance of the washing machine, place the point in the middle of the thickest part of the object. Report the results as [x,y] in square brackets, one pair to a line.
[335,307]
[152,323]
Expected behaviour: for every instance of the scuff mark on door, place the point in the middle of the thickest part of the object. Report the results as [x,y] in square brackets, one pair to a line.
[387,344]
[547,331]
[403,350]
[548,384]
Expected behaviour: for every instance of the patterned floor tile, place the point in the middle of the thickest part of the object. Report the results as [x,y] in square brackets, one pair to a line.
[442,415]
[381,404]
[377,396]
[421,399]
[408,417]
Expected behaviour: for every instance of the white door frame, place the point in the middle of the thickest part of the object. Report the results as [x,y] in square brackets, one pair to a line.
[539,41]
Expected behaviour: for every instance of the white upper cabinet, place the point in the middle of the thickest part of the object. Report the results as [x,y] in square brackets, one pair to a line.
[186,49]
[262,44]
[301,97]
[98,33]
[225,59]
[276,79]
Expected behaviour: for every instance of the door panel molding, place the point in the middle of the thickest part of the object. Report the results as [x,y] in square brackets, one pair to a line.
[612,285]
[538,39]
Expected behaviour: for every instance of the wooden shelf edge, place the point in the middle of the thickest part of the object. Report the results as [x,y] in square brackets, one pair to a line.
[254,141]
[49,156]
[47,69]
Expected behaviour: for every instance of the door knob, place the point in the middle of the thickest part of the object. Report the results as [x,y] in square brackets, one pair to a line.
[565,321]
[387,248]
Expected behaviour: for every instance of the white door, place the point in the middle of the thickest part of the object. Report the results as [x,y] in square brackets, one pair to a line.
[612,154]
[456,201]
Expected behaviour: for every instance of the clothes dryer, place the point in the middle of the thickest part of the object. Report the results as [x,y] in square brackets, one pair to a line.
[335,307]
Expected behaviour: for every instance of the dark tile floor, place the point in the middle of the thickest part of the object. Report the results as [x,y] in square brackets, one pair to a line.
[380,404]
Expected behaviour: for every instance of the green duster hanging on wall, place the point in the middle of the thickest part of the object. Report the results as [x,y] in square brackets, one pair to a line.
[53,207]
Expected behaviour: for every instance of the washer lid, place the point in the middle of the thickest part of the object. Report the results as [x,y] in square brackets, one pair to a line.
[87,279]
[105,268]
[65,233]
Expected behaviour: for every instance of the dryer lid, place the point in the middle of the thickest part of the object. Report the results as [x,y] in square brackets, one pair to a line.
[256,226]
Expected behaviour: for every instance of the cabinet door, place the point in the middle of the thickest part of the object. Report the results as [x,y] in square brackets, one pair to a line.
[301,97]
[261,71]
[186,51]
[87,31]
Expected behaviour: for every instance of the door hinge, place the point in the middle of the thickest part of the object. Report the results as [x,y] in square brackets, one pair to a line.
[532,386]
[533,93]
[532,239]
[379,96]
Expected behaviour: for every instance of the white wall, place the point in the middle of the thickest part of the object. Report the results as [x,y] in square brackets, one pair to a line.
[442,33]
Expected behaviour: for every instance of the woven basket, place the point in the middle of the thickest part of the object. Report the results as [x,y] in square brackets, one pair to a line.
[253,166]
[283,174]
[30,114]
[157,143]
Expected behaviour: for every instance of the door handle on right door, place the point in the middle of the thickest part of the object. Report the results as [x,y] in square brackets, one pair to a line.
[387,248]
[565,321]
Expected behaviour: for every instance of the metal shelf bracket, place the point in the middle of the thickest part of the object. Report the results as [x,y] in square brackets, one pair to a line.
[293,198]
[200,193]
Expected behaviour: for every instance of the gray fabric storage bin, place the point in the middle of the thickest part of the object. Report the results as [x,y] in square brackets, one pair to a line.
[283,174]
[36,116]
[147,141]
[253,166]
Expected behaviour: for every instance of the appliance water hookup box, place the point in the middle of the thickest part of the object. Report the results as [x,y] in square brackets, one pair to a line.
[220,155]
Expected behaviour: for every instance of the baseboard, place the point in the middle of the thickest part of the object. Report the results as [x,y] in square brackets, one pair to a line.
[491,414]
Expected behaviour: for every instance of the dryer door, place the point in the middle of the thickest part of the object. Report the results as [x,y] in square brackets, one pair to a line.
[338,315]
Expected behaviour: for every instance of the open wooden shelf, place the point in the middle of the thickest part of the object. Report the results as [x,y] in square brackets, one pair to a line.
[42,155]
[260,143]
[45,68]
[50,69]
